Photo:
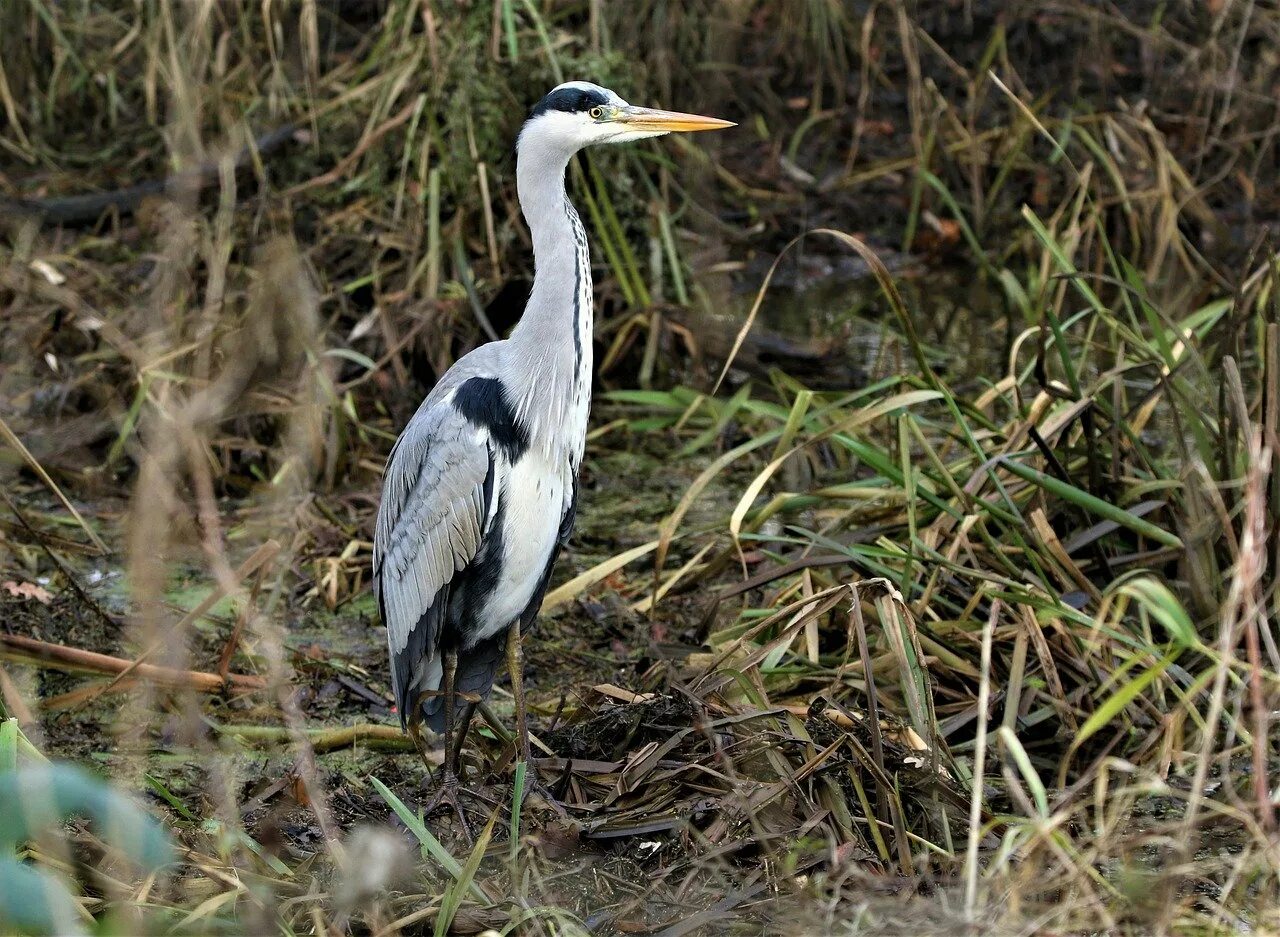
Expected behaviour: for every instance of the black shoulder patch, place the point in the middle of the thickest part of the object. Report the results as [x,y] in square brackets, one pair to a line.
[484,402]
[572,100]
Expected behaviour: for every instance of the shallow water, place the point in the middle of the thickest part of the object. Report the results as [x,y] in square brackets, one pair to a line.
[825,300]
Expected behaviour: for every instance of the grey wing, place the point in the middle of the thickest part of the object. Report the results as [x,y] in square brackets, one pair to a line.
[435,510]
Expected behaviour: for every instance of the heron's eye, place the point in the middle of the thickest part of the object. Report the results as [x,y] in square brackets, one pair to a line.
[596,112]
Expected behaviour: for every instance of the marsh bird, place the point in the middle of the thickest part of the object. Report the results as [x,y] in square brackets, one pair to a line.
[480,489]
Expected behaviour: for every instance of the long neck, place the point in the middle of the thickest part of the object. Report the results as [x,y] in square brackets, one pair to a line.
[553,338]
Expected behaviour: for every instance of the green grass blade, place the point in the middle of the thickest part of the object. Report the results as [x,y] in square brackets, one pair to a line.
[1121,698]
[430,844]
[158,788]
[509,29]
[1025,768]
[8,745]
[673,257]
[1094,505]
[517,801]
[1164,606]
[466,879]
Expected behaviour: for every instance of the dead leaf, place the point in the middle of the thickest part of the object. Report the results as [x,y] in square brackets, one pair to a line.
[49,272]
[622,695]
[27,590]
[298,789]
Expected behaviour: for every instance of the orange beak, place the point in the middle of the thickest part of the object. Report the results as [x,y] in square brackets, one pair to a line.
[646,118]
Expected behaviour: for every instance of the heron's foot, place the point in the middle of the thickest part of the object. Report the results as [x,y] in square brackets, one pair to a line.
[533,785]
[448,791]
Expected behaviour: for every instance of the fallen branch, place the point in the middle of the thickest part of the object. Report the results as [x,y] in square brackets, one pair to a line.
[258,560]
[86,693]
[60,657]
[373,735]
[82,209]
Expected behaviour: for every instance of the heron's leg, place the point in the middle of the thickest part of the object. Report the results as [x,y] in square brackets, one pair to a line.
[447,791]
[515,663]
[449,679]
[468,711]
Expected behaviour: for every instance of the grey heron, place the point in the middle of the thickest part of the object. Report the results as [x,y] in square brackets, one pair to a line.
[480,490]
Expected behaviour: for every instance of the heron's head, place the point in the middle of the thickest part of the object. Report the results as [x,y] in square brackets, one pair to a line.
[577,114]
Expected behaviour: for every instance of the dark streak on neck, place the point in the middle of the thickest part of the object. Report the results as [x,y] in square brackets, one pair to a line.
[577,290]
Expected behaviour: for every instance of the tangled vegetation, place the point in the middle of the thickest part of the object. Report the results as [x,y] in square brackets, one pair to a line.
[925,577]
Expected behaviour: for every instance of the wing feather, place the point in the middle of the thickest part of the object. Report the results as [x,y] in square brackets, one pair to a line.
[431,523]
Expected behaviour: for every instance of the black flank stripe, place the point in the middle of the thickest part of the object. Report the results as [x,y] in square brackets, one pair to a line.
[482,576]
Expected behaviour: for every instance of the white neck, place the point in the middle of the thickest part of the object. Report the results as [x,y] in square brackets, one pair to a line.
[551,344]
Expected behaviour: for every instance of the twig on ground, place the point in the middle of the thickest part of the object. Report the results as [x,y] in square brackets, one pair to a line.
[259,559]
[73,659]
[373,735]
